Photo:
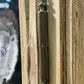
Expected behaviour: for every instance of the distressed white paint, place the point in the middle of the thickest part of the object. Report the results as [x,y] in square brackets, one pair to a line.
[8,50]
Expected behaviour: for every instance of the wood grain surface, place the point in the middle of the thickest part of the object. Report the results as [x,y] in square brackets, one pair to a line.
[68,38]
[66,41]
[54,41]
[24,42]
[27,10]
[28,26]
[75,41]
[78,41]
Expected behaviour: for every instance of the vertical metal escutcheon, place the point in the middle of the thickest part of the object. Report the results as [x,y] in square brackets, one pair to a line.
[43,42]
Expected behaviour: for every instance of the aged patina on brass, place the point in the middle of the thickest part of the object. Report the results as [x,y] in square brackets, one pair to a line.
[43,42]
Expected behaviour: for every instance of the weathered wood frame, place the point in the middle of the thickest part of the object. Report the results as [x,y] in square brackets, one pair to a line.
[28,10]
[64,19]
[28,41]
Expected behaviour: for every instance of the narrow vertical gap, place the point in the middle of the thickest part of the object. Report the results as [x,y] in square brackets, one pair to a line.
[63,41]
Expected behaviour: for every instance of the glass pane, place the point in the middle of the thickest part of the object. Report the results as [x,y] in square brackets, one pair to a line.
[10,56]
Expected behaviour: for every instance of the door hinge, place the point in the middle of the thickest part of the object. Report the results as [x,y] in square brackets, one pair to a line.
[43,42]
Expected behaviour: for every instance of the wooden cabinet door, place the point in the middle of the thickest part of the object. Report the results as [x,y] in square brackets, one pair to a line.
[66,41]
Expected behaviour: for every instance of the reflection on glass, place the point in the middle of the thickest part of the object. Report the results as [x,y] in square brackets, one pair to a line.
[4,5]
[8,0]
[10,57]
